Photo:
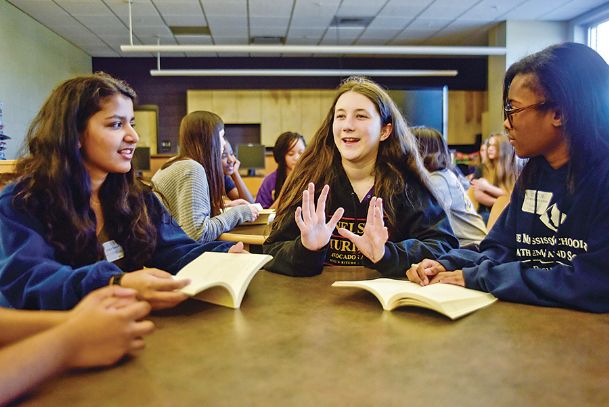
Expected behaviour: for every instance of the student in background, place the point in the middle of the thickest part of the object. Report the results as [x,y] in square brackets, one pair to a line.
[234,186]
[191,185]
[35,345]
[367,161]
[483,160]
[287,151]
[550,245]
[497,177]
[467,224]
[76,219]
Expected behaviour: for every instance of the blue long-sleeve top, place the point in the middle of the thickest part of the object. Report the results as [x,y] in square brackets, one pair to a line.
[31,277]
[548,247]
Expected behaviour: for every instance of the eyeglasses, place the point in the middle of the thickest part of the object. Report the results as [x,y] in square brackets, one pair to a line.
[509,111]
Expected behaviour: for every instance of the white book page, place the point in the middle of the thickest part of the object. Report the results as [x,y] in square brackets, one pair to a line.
[230,270]
[445,298]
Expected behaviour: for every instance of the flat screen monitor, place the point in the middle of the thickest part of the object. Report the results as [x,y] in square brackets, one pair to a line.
[141,159]
[251,157]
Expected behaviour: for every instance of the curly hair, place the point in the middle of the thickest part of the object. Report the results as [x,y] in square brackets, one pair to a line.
[54,185]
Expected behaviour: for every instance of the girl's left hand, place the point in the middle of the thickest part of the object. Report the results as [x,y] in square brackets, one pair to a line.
[449,277]
[372,242]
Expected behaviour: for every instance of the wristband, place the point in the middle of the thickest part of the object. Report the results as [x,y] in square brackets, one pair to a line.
[116,279]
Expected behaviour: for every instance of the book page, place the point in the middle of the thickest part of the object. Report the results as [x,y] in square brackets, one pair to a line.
[233,271]
[450,300]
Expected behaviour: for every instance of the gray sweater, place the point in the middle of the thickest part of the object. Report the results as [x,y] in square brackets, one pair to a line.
[466,222]
[184,190]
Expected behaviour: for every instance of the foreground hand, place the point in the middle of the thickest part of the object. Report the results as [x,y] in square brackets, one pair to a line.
[314,231]
[156,286]
[254,210]
[372,242]
[422,272]
[237,248]
[105,326]
[450,277]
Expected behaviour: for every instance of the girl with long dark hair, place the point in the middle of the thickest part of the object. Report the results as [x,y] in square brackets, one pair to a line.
[191,185]
[289,146]
[76,218]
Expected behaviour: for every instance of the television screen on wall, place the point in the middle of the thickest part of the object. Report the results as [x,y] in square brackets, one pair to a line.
[424,107]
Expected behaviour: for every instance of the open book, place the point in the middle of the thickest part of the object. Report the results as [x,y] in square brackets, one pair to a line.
[265,216]
[450,300]
[221,278]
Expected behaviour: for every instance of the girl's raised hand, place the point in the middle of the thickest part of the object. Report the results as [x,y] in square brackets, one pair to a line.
[314,231]
[372,242]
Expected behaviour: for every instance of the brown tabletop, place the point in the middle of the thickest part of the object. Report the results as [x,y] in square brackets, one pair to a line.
[248,234]
[297,341]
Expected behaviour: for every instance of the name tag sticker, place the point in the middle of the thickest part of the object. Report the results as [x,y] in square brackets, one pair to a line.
[536,201]
[113,251]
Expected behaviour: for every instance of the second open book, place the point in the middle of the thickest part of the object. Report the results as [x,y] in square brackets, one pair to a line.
[450,300]
[221,278]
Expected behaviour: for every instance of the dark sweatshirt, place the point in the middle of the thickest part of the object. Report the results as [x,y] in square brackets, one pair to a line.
[32,277]
[548,247]
[422,231]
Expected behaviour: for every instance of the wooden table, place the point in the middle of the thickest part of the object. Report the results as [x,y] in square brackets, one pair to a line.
[297,341]
[252,236]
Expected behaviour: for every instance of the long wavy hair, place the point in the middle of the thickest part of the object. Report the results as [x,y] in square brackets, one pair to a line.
[284,143]
[574,79]
[199,140]
[433,148]
[397,161]
[502,170]
[54,185]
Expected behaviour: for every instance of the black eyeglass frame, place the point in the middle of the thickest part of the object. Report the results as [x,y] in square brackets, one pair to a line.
[509,111]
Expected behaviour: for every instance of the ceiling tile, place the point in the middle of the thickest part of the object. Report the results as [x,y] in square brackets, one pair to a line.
[178,8]
[359,8]
[233,8]
[275,8]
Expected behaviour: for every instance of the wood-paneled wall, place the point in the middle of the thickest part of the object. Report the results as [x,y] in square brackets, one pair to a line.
[465,113]
[304,110]
[276,110]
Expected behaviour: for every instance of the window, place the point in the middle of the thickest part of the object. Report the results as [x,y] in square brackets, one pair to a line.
[598,38]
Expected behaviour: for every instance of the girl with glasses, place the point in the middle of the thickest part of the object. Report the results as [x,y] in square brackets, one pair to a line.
[551,244]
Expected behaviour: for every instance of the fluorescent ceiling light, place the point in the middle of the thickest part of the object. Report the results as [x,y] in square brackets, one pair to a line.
[301,72]
[319,49]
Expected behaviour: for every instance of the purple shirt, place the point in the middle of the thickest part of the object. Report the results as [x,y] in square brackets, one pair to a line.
[265,194]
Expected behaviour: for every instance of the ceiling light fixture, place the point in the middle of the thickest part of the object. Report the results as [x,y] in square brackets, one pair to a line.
[320,49]
[265,50]
[254,49]
[302,72]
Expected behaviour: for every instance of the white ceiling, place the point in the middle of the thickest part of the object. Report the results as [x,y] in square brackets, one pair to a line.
[99,27]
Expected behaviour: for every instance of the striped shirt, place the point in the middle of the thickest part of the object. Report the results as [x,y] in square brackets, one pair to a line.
[184,189]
